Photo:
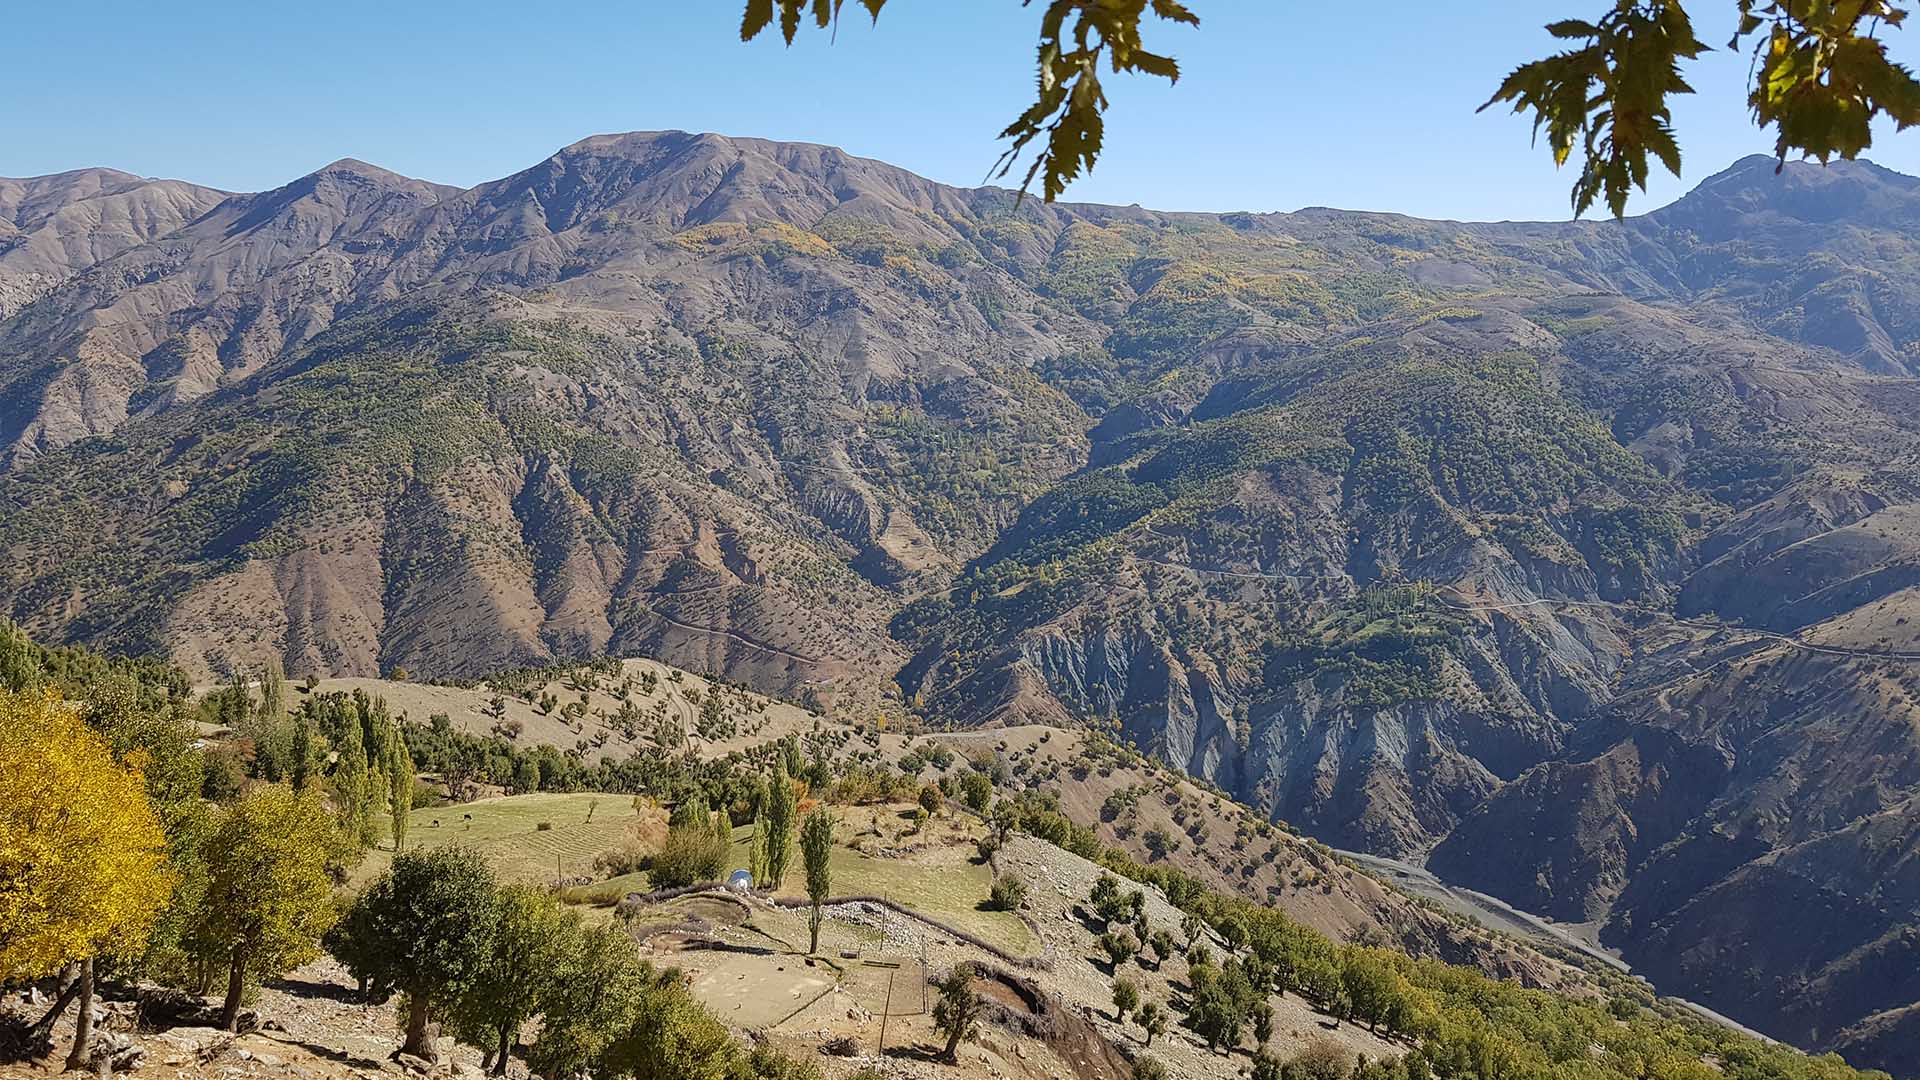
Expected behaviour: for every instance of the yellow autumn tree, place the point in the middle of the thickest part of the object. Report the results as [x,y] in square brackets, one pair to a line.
[269,898]
[82,856]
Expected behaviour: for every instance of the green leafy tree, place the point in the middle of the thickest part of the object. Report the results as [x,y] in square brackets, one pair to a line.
[1193,929]
[1126,998]
[672,1037]
[301,754]
[1221,1005]
[351,791]
[1077,38]
[1373,987]
[526,776]
[350,941]
[976,790]
[1005,818]
[816,852]
[1104,896]
[693,850]
[1163,946]
[592,1000]
[757,843]
[1821,76]
[269,897]
[783,807]
[400,777]
[1152,1020]
[1233,931]
[956,1015]
[533,938]
[20,667]
[425,930]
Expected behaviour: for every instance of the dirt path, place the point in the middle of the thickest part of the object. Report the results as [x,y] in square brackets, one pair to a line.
[741,638]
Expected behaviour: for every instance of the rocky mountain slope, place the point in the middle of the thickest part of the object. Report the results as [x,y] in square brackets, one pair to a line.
[1579,555]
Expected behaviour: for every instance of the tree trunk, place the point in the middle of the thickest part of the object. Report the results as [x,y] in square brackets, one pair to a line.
[813,925]
[418,1042]
[953,1046]
[236,985]
[69,988]
[83,1024]
[506,1050]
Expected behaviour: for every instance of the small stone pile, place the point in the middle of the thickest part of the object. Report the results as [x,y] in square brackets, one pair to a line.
[897,934]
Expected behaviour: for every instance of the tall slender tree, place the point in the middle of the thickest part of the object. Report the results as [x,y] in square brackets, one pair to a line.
[782,808]
[351,788]
[300,757]
[757,844]
[400,778]
[816,851]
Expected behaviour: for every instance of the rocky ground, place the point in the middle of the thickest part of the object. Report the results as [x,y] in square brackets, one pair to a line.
[305,1027]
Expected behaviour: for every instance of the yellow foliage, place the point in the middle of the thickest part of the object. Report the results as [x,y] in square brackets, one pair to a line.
[270,898]
[82,856]
[775,237]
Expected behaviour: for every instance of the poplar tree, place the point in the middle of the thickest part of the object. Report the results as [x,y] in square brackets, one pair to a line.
[782,808]
[816,851]
[400,777]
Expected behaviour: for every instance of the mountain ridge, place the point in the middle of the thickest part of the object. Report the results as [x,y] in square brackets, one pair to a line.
[1395,529]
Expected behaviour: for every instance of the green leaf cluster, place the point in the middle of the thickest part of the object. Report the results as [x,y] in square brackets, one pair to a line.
[1076,38]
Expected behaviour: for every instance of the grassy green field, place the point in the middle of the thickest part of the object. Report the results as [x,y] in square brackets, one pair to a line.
[507,832]
[941,880]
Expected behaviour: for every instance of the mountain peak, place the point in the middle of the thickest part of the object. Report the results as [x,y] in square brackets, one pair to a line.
[1794,192]
[348,166]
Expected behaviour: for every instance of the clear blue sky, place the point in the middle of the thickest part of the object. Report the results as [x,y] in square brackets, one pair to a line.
[1285,103]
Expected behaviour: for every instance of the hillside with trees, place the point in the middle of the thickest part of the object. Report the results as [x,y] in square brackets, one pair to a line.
[1394,530]
[249,926]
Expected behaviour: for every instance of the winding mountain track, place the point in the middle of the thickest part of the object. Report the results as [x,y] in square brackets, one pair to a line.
[742,639]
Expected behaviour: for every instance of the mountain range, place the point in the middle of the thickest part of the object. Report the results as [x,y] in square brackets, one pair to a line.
[1579,560]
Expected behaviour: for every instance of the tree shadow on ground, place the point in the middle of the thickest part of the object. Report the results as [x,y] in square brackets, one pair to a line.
[918,1052]
[318,989]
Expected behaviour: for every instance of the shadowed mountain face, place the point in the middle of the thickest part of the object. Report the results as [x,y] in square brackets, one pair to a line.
[1584,557]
